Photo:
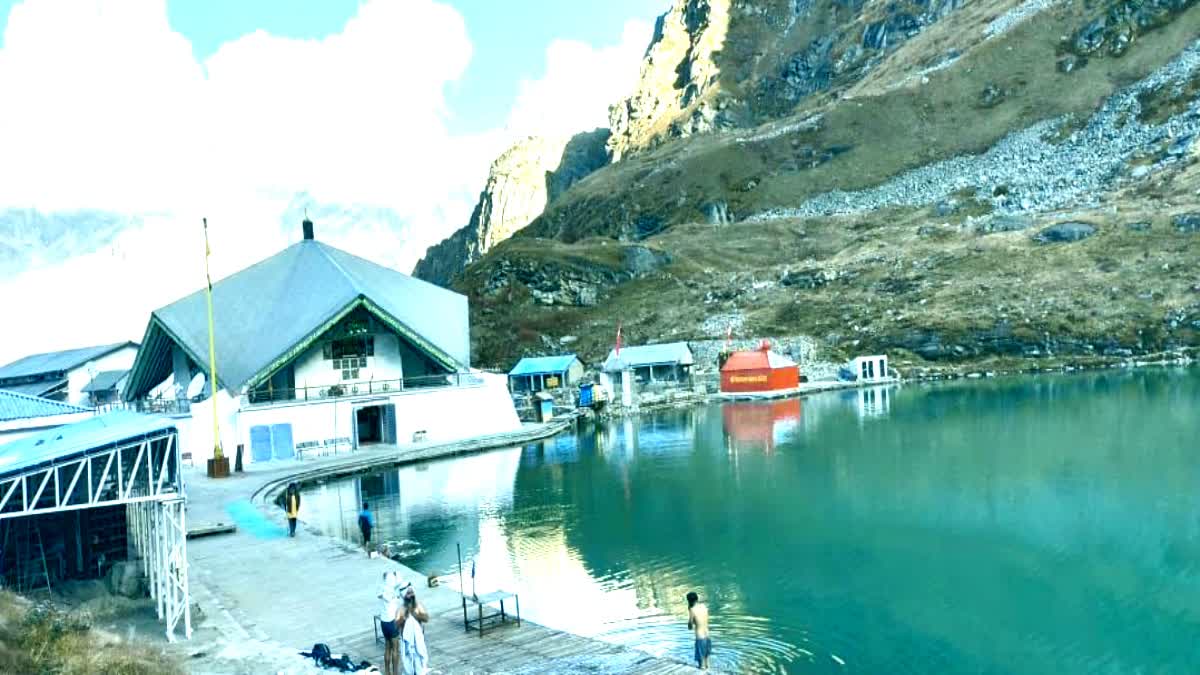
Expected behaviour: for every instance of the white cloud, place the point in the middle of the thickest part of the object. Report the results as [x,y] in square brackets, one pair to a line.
[112,111]
[106,109]
[580,82]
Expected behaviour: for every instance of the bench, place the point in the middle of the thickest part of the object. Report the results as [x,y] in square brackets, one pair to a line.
[482,619]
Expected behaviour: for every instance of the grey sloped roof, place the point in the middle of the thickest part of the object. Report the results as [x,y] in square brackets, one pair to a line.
[37,388]
[266,310]
[105,380]
[670,353]
[53,362]
[17,406]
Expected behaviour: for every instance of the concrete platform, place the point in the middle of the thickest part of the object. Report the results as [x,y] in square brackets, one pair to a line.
[270,596]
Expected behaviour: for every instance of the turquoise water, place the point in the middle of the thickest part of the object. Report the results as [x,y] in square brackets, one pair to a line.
[1032,525]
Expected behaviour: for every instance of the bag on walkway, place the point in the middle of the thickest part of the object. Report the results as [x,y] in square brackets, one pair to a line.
[319,653]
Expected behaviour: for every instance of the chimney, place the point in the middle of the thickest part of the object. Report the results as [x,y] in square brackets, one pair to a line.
[308,229]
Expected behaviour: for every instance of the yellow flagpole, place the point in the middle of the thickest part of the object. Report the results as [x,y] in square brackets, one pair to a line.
[212,350]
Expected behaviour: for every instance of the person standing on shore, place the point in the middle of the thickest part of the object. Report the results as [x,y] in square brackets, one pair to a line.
[698,622]
[413,652]
[389,623]
[291,504]
[366,522]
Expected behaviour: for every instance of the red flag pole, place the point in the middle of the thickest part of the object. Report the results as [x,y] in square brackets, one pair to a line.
[618,339]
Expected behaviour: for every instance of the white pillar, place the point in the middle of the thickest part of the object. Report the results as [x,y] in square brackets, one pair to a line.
[627,389]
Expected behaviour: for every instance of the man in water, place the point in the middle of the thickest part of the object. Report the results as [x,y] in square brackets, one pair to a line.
[698,621]
[366,521]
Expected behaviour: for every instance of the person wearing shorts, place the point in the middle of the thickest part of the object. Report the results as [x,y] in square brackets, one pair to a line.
[698,622]
[389,623]
[366,522]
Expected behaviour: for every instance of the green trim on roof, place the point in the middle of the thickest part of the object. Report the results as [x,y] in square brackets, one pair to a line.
[407,333]
[313,336]
[302,346]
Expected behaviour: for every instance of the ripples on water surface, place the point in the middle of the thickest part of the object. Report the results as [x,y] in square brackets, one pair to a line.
[1036,525]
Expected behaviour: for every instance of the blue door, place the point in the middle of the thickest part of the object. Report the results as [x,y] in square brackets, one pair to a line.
[260,443]
[281,441]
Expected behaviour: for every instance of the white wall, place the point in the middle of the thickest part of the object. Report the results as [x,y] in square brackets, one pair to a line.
[121,359]
[313,370]
[444,414]
[196,433]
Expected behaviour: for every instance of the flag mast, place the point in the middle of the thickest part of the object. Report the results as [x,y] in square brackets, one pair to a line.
[218,466]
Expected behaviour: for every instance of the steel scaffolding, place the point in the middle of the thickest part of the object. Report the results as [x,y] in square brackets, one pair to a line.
[144,475]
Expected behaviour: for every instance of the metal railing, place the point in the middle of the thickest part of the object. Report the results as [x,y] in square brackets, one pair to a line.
[362,388]
[154,406]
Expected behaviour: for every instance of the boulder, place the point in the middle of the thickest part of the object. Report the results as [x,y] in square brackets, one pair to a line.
[1138,226]
[716,213]
[1005,223]
[641,260]
[1065,233]
[1187,222]
[127,579]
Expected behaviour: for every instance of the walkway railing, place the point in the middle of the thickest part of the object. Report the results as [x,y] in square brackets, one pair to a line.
[362,388]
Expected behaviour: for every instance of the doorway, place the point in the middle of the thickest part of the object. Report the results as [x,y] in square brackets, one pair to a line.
[375,424]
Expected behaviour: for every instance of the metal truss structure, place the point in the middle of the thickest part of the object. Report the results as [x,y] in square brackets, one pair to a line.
[144,475]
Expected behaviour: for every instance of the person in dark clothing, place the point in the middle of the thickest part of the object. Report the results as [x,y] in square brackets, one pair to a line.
[291,504]
[366,522]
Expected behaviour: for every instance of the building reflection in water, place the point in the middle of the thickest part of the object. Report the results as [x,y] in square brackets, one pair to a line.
[760,425]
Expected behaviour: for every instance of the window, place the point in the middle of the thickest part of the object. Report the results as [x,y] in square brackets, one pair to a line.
[349,347]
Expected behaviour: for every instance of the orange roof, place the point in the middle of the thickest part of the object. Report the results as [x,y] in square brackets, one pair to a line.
[758,359]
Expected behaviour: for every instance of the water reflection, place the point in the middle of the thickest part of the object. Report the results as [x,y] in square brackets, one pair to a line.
[1034,525]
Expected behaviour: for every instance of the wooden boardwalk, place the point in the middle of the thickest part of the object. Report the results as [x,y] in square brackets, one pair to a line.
[263,588]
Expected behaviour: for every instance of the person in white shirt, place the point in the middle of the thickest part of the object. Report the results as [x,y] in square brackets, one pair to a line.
[390,615]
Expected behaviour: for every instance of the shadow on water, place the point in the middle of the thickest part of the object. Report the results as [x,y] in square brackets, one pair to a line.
[1035,525]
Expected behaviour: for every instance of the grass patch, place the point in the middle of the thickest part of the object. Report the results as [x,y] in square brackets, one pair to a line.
[37,639]
[1161,104]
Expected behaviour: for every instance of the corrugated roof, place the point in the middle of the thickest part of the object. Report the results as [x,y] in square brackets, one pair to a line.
[37,388]
[52,362]
[536,365]
[671,353]
[266,310]
[17,406]
[105,380]
[71,440]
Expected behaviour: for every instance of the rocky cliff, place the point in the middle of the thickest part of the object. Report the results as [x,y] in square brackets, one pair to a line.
[520,182]
[946,181]
[725,64]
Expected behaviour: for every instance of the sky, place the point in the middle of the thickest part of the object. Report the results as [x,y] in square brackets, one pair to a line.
[125,122]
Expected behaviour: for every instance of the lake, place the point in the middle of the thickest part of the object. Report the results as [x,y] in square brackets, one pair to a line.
[1046,524]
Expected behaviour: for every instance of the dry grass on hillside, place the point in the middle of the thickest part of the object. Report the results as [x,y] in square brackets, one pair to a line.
[34,639]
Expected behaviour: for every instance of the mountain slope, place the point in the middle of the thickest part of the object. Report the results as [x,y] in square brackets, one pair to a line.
[986,181]
[531,173]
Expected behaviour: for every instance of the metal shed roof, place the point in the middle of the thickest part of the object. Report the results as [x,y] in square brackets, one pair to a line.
[103,381]
[670,353]
[53,362]
[18,406]
[265,312]
[537,365]
[76,439]
[37,389]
